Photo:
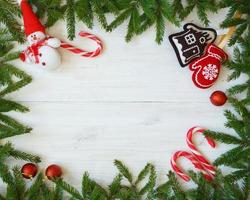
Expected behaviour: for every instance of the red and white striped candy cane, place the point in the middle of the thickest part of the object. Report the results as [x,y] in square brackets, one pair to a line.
[207,165]
[195,162]
[82,52]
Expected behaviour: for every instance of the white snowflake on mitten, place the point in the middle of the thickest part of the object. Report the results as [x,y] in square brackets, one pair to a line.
[210,72]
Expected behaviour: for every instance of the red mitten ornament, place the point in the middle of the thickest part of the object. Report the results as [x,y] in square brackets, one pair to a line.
[207,67]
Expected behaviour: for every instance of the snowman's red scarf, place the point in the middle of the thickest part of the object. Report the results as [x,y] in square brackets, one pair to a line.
[33,50]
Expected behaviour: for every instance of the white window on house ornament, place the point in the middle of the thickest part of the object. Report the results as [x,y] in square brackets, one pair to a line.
[190,39]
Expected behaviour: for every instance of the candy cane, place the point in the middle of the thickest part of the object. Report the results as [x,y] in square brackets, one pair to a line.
[195,162]
[82,52]
[210,168]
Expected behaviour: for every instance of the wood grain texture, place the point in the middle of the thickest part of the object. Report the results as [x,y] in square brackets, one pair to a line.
[133,103]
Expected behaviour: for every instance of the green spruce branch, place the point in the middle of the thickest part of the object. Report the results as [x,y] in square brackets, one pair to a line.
[242,24]
[183,8]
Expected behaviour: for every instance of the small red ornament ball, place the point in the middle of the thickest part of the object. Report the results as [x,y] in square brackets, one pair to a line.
[53,171]
[218,98]
[29,170]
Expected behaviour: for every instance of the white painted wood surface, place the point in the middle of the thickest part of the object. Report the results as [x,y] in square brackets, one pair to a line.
[133,103]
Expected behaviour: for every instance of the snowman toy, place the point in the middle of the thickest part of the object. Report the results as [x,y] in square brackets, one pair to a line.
[42,49]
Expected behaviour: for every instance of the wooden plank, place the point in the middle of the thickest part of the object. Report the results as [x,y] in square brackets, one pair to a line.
[89,136]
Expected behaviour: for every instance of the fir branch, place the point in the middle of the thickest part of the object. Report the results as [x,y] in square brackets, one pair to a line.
[246,187]
[7,71]
[223,137]
[5,49]
[155,11]
[115,186]
[53,17]
[202,8]
[70,18]
[239,88]
[163,191]
[160,28]
[237,175]
[5,38]
[242,25]
[6,175]
[239,154]
[120,19]
[10,57]
[69,189]
[124,171]
[58,193]
[126,194]
[46,192]
[240,65]
[240,108]
[84,12]
[6,106]
[24,156]
[133,24]
[232,156]
[34,190]
[20,184]
[158,11]
[5,151]
[11,127]
[178,192]
[9,11]
[236,124]
[91,188]
[110,6]
[204,189]
[232,190]
[6,131]
[86,185]
[149,187]
[54,11]
[41,6]
[142,175]
[97,7]
[98,193]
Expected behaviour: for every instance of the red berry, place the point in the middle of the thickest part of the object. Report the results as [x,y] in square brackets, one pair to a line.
[29,170]
[53,171]
[218,98]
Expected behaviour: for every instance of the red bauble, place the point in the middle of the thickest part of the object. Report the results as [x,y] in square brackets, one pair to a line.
[218,98]
[53,171]
[29,170]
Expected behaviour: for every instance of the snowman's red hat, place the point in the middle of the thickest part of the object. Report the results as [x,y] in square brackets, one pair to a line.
[31,22]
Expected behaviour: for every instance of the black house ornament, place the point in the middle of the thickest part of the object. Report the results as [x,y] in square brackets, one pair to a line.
[191,43]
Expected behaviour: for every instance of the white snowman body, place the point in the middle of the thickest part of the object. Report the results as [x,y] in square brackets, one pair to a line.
[48,57]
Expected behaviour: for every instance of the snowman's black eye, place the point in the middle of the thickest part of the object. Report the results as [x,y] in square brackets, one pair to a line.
[32,36]
[43,63]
